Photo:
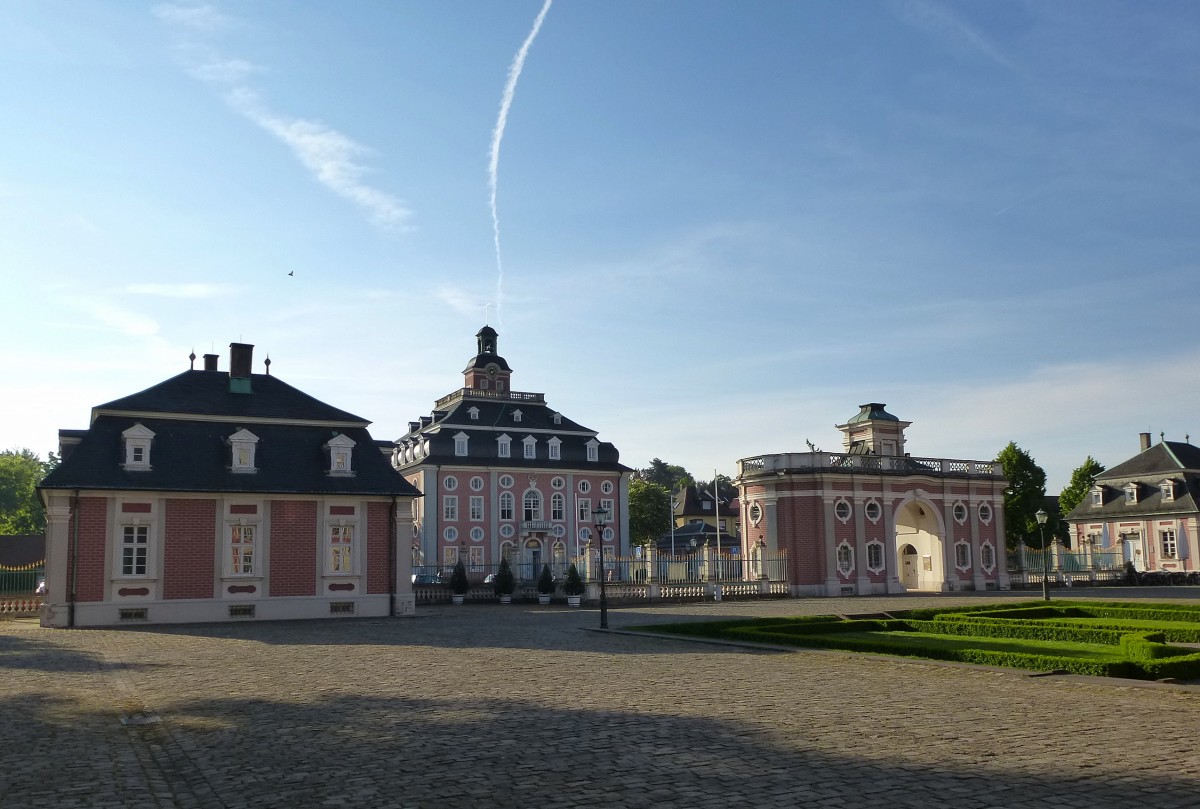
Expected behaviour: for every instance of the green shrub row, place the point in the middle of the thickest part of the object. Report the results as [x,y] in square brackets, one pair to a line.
[884,645]
[993,628]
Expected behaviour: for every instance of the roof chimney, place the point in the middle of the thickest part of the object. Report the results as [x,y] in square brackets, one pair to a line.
[241,357]
[1145,440]
[210,362]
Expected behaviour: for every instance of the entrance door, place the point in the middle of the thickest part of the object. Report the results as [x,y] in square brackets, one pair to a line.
[908,567]
[1133,553]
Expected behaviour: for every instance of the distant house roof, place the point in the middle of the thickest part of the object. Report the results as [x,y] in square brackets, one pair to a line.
[22,550]
[206,393]
[1174,461]
[192,417]
[872,411]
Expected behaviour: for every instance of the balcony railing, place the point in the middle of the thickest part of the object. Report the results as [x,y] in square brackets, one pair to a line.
[536,525]
[844,462]
[502,395]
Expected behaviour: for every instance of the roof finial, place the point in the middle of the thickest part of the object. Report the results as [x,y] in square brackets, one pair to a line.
[192,357]
[1161,436]
[267,362]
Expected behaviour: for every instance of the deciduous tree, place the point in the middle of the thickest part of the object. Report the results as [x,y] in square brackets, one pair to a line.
[1025,495]
[21,470]
[1081,483]
[649,511]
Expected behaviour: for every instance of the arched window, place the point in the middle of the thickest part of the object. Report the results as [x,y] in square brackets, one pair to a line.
[558,506]
[533,505]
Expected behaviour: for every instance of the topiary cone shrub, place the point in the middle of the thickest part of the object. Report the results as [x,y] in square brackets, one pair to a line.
[545,582]
[458,579]
[574,584]
[504,584]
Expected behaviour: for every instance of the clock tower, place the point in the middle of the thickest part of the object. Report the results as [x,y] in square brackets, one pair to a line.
[487,370]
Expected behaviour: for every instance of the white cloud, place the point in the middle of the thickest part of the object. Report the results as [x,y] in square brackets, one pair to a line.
[460,300]
[203,18]
[332,157]
[328,154]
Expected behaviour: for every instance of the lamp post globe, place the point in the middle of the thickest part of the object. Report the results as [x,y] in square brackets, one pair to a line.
[1041,520]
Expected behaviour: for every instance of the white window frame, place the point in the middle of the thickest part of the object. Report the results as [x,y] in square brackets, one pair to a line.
[236,524]
[138,439]
[1168,490]
[843,510]
[241,553]
[503,446]
[606,487]
[593,451]
[558,507]
[340,546]
[506,481]
[341,455]
[845,558]
[516,416]
[985,512]
[610,507]
[1097,496]
[477,484]
[962,555]
[987,557]
[475,508]
[242,449]
[529,444]
[583,509]
[461,441]
[960,512]
[508,506]
[473,413]
[535,497]
[477,534]
[1131,493]
[128,558]
[1168,543]
[554,448]
[872,510]
[875,548]
[450,508]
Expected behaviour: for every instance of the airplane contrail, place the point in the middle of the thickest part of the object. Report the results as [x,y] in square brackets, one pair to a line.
[510,88]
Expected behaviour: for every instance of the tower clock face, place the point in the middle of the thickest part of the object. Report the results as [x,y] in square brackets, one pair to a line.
[491,372]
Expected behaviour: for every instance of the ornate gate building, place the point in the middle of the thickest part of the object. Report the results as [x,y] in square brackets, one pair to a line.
[873,519]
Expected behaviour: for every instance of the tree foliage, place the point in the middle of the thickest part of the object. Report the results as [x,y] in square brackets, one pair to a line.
[649,511]
[669,476]
[21,470]
[1081,483]
[1026,494]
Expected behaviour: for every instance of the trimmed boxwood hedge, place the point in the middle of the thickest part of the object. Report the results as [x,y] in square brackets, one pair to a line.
[1146,652]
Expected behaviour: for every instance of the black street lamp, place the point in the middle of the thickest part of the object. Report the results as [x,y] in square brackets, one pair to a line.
[1041,519]
[600,517]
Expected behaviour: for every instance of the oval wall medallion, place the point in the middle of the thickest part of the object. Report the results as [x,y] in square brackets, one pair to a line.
[242,588]
[336,587]
[134,591]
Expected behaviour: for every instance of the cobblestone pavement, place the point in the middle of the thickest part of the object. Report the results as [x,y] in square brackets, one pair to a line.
[521,706]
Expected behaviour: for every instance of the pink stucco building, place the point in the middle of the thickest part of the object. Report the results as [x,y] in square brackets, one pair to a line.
[872,518]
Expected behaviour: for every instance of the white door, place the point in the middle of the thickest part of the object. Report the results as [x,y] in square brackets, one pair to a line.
[908,567]
[1133,553]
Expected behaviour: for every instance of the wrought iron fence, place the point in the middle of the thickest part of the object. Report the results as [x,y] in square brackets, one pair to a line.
[20,581]
[625,569]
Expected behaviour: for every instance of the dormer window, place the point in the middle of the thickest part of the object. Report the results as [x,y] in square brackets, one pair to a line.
[504,447]
[460,444]
[339,448]
[516,415]
[593,450]
[1131,493]
[530,446]
[242,445]
[556,418]
[473,413]
[1168,490]
[137,448]
[1097,496]
[555,448]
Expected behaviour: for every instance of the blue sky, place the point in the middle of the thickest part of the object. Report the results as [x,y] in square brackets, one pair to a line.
[722,226]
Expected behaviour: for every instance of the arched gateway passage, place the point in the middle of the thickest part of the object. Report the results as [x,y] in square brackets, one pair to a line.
[919,546]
